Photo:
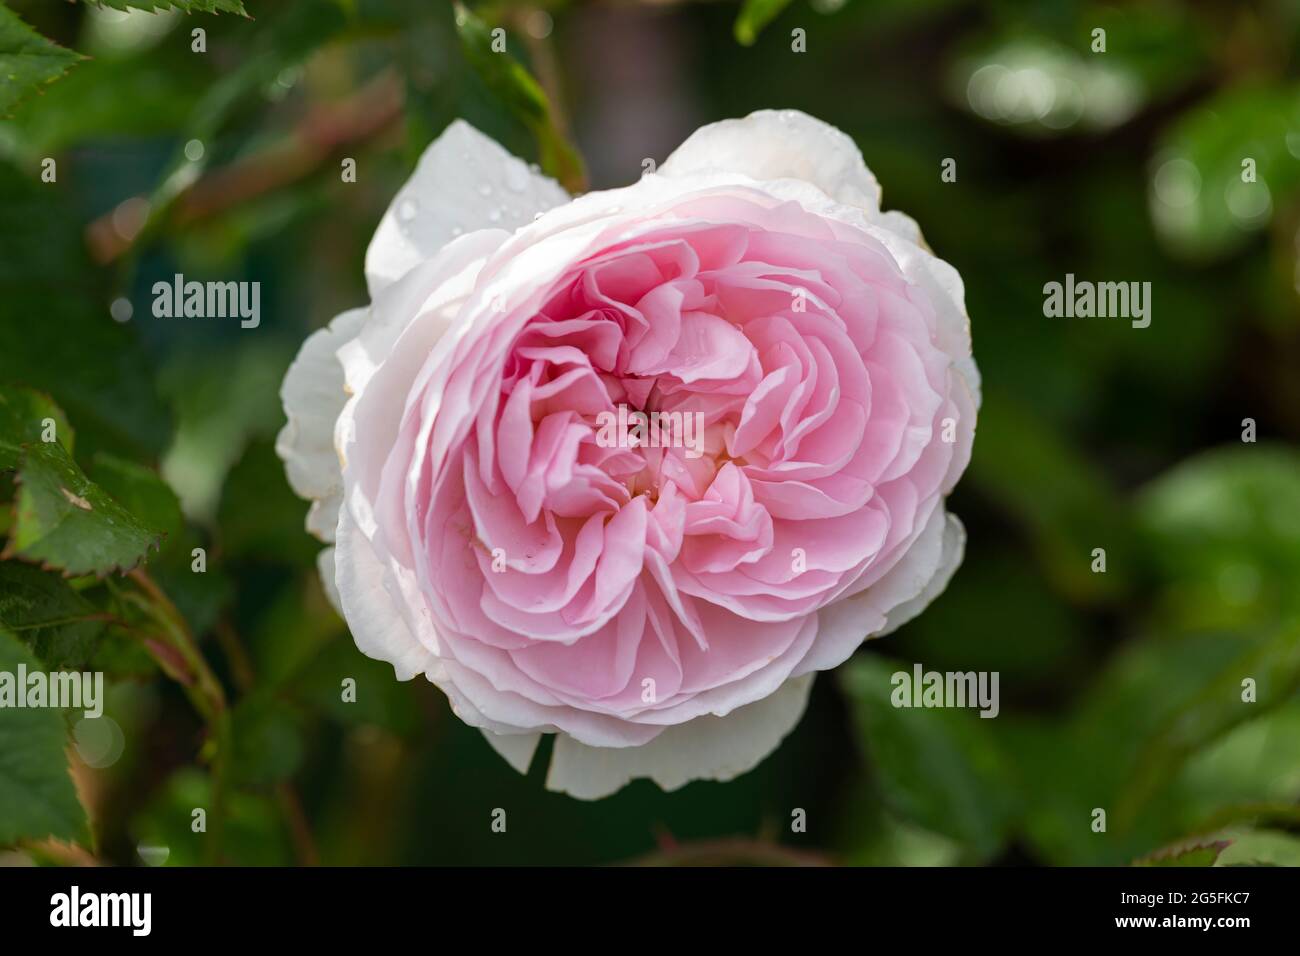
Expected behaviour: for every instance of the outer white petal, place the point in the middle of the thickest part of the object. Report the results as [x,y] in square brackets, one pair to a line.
[784,144]
[517,749]
[920,576]
[325,568]
[377,625]
[953,550]
[464,181]
[707,748]
[313,396]
[427,295]
[943,284]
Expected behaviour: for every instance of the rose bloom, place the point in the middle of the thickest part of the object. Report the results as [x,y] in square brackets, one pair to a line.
[662,610]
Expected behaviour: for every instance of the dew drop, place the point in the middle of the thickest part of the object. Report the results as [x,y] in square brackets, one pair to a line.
[407,209]
[517,177]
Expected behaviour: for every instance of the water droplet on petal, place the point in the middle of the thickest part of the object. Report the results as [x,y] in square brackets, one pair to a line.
[407,209]
[484,189]
[517,177]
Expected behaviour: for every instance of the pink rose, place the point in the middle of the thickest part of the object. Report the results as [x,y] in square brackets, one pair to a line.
[505,522]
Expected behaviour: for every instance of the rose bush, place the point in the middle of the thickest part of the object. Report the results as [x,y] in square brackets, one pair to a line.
[662,611]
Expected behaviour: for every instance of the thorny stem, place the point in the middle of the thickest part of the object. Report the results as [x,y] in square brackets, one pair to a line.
[204,691]
[207,693]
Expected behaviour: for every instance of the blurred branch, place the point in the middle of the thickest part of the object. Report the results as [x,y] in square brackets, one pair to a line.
[304,846]
[241,666]
[317,138]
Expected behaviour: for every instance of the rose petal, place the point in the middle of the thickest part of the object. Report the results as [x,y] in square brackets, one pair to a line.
[919,576]
[953,549]
[706,748]
[378,628]
[313,396]
[517,749]
[325,568]
[463,182]
[784,144]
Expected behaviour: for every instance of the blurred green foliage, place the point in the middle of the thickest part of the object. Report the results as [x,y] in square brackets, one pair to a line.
[1165,148]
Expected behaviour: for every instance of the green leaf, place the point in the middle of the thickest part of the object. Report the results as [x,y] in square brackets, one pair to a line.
[185,6]
[1192,854]
[198,595]
[1213,710]
[1224,531]
[939,767]
[1161,742]
[1262,848]
[141,491]
[1203,199]
[1250,775]
[112,98]
[24,415]
[60,626]
[37,798]
[507,79]
[755,15]
[64,520]
[28,61]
